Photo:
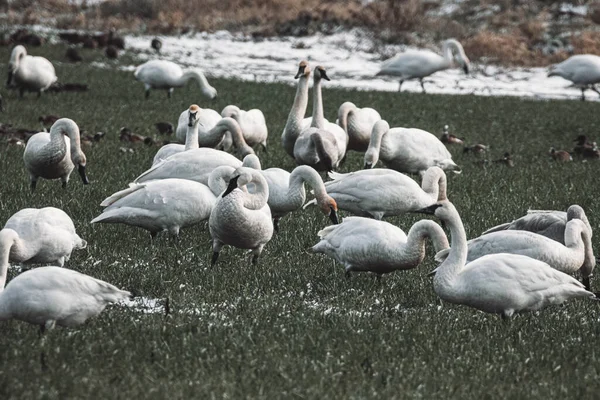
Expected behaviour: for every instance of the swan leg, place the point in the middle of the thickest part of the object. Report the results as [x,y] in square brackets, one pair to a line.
[264,146]
[595,89]
[586,283]
[170,92]
[256,253]
[64,183]
[582,94]
[39,94]
[422,85]
[400,86]
[147,93]
[276,224]
[33,183]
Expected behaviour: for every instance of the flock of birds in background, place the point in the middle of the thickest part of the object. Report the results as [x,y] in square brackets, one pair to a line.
[522,265]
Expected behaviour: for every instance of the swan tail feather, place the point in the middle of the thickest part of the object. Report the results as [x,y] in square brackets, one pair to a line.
[133,187]
[498,228]
[441,255]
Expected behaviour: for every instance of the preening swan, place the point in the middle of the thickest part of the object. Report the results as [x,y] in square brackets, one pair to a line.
[358,124]
[53,155]
[252,123]
[407,150]
[242,219]
[363,244]
[191,138]
[379,192]
[29,73]
[582,69]
[162,74]
[39,236]
[208,120]
[546,223]
[497,283]
[417,64]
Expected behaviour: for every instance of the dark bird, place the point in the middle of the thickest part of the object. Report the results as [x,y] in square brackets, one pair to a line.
[476,148]
[164,128]
[73,55]
[449,138]
[48,120]
[112,52]
[156,44]
[72,37]
[506,160]
[560,155]
[116,41]
[581,144]
[90,43]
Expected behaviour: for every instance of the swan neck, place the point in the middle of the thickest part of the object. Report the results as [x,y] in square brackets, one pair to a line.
[215,135]
[293,125]
[578,238]
[195,75]
[418,234]
[324,155]
[258,199]
[318,119]
[376,138]
[7,240]
[307,174]
[191,137]
[343,113]
[434,184]
[218,178]
[457,257]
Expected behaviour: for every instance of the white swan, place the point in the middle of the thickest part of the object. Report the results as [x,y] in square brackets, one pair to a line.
[582,69]
[39,236]
[207,134]
[191,139]
[546,223]
[407,150]
[497,283]
[53,156]
[363,244]
[358,124]
[29,73]
[162,74]
[296,122]
[242,219]
[252,123]
[379,192]
[417,64]
[194,165]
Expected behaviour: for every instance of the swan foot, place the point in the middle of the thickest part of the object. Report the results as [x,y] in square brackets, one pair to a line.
[153,235]
[276,224]
[264,147]
[214,259]
[400,86]
[64,184]
[586,283]
[422,85]
[255,259]
[147,93]
[582,94]
[348,275]
[32,185]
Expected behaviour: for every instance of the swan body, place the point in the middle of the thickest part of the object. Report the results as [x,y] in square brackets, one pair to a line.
[358,124]
[497,283]
[192,117]
[252,123]
[582,69]
[363,244]
[39,236]
[407,150]
[546,223]
[53,155]
[163,74]
[418,64]
[29,73]
[242,219]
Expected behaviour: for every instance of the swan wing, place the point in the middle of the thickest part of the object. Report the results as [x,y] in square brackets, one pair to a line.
[413,64]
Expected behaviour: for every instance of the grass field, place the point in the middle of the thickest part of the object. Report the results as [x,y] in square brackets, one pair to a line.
[293,326]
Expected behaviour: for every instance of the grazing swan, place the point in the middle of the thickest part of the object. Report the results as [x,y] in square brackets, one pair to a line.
[29,73]
[546,223]
[363,244]
[296,122]
[50,296]
[358,124]
[380,192]
[407,150]
[417,64]
[194,165]
[323,145]
[39,236]
[582,69]
[191,139]
[497,283]
[53,156]
[252,123]
[242,219]
[162,74]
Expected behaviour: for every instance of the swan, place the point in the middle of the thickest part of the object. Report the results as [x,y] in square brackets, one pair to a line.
[252,123]
[417,64]
[194,165]
[242,219]
[582,69]
[191,140]
[323,145]
[53,156]
[407,150]
[379,192]
[163,74]
[497,283]
[363,244]
[207,137]
[39,236]
[546,223]
[34,74]
[358,124]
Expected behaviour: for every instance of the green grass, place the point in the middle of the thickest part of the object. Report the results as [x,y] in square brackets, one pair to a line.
[293,326]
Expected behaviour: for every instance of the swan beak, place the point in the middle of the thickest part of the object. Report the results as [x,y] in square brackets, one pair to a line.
[429,210]
[333,216]
[324,75]
[192,119]
[82,174]
[300,72]
[232,185]
[368,166]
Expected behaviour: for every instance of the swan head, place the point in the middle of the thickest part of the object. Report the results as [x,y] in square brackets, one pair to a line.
[329,207]
[443,210]
[371,158]
[458,54]
[321,73]
[193,115]
[233,184]
[303,70]
[209,92]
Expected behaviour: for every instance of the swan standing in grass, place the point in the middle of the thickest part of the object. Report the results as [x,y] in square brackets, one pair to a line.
[582,69]
[162,74]
[418,64]
[29,73]
[358,124]
[39,236]
[407,150]
[497,283]
[242,219]
[363,244]
[379,192]
[53,155]
[546,223]
[191,139]
[252,123]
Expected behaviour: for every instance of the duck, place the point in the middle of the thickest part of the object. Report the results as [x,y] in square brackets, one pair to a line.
[163,74]
[448,138]
[111,52]
[477,148]
[164,128]
[501,283]
[363,244]
[408,150]
[506,159]
[560,155]
[73,55]
[242,219]
[581,69]
[54,155]
[252,123]
[418,64]
[29,73]
[156,44]
[358,124]
[581,144]
[39,236]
